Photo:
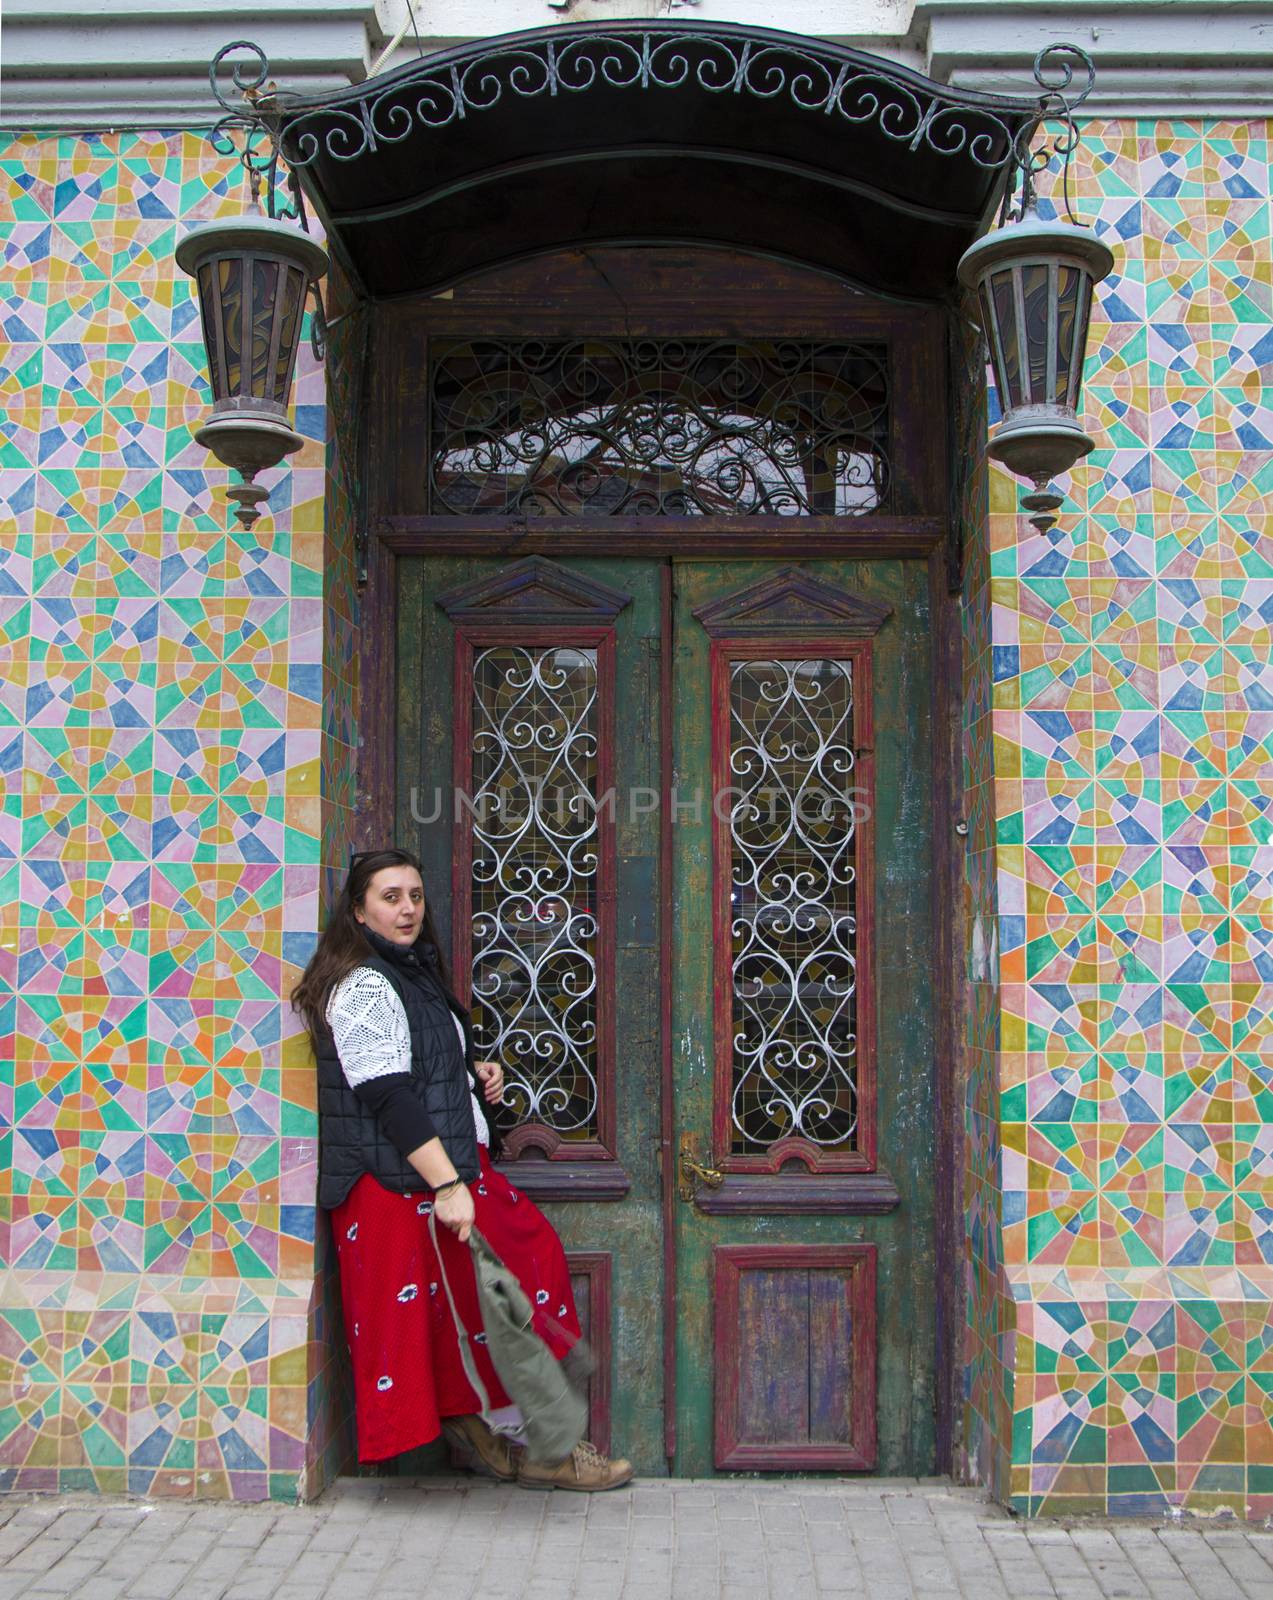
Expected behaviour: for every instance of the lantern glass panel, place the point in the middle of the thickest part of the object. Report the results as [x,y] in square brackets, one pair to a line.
[1083,312]
[209,310]
[229,294]
[1004,319]
[291,306]
[1035,302]
[265,276]
[1067,304]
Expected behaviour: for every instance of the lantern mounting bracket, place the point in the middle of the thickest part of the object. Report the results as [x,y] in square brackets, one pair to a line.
[1066,76]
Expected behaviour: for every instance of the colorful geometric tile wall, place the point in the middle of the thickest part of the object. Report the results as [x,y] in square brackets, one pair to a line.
[161,704]
[1133,798]
[176,759]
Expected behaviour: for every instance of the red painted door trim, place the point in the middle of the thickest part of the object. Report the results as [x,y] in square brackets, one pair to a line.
[468,640]
[798,1152]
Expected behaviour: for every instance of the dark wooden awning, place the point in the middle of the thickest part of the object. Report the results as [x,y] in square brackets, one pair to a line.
[645,132]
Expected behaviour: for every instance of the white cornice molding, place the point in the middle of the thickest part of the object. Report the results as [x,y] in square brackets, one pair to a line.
[92,64]
[1154,58]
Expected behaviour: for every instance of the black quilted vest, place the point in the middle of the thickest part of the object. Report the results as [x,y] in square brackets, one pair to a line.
[350,1140]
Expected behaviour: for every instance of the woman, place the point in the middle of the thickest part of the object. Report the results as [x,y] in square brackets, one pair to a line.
[401,1133]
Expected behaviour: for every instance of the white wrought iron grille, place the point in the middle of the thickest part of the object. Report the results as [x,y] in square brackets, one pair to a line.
[658,427]
[535,860]
[793,914]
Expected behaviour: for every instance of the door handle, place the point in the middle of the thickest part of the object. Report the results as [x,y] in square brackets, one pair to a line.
[692,1170]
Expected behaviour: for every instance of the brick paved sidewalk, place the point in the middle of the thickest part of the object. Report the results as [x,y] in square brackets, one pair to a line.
[462,1538]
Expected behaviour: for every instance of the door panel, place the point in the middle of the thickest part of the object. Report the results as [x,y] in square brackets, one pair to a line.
[793,1367]
[785,1414]
[608,1212]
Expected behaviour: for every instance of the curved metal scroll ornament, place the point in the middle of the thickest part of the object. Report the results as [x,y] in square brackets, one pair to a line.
[249,130]
[819,82]
[793,913]
[535,860]
[1055,70]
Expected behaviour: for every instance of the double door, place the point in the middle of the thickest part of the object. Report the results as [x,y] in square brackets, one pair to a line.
[674,816]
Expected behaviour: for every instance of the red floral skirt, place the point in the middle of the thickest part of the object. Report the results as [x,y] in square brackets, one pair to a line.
[406,1355]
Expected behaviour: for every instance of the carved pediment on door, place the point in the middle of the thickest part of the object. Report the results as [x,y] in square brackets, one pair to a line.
[793,602]
[534,593]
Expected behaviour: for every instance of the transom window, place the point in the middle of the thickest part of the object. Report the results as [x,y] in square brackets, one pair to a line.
[658,427]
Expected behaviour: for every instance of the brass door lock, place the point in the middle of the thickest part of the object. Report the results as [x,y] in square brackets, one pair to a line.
[692,1171]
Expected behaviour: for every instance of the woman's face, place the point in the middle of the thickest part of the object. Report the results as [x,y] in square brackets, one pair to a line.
[393,906]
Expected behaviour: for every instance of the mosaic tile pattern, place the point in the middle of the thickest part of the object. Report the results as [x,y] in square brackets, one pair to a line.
[1133,740]
[161,726]
[177,771]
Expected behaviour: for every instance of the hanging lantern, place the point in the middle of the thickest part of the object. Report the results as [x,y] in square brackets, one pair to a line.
[253,275]
[1034,280]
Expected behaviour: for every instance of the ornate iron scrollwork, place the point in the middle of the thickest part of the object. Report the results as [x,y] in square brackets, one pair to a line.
[829,82]
[793,912]
[832,82]
[249,129]
[1055,71]
[658,427]
[535,861]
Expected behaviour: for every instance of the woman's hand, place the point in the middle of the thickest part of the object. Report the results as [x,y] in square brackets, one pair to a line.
[491,1076]
[454,1210]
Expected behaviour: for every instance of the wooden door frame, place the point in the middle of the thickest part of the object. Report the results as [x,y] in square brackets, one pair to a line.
[538,298]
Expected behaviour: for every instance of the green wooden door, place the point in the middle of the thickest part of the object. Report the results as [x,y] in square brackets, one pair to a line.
[552,679]
[802,1018]
[512,671]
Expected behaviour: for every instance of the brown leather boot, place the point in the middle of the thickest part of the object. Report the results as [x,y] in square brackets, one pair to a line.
[482,1449]
[584,1469]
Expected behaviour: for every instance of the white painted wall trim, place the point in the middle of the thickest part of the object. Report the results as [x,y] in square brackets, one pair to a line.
[90,64]
[1154,58]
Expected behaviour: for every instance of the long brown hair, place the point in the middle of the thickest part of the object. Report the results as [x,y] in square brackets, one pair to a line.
[342,947]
